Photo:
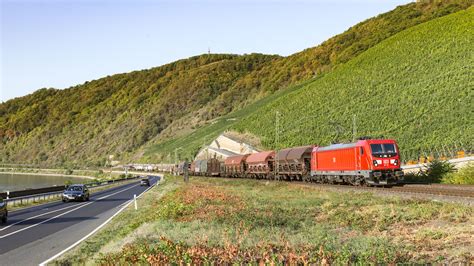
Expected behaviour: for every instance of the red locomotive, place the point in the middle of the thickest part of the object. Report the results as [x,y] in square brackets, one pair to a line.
[373,162]
[365,162]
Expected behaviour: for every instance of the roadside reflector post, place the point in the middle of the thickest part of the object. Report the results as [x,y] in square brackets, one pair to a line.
[8,194]
[135,200]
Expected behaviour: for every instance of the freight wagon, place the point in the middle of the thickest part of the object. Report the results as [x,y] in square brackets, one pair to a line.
[260,165]
[235,166]
[294,163]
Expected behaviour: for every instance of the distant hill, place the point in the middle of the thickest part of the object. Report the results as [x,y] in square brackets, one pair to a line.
[116,114]
[416,87]
[152,111]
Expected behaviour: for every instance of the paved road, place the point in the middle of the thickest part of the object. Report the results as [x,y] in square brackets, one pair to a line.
[33,235]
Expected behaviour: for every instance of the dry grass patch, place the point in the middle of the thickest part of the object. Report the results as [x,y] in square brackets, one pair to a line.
[209,202]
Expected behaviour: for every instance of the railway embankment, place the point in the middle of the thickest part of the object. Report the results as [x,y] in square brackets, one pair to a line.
[217,220]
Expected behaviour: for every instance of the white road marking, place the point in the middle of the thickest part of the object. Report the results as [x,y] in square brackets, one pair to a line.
[42,222]
[93,231]
[39,215]
[59,215]
[31,207]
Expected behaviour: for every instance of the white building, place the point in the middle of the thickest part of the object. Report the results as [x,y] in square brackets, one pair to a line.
[223,147]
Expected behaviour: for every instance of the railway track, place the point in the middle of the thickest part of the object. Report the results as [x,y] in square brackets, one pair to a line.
[438,189]
[463,191]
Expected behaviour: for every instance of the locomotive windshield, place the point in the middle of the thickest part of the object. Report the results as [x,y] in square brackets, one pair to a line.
[383,150]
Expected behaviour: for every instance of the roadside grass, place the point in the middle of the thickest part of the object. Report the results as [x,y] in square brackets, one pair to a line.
[212,220]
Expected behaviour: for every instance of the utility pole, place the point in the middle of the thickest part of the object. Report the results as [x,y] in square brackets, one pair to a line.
[277,141]
[338,129]
[176,155]
[185,171]
[205,148]
[176,160]
[354,128]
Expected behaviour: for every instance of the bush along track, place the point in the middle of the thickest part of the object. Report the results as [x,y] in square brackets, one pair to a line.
[247,221]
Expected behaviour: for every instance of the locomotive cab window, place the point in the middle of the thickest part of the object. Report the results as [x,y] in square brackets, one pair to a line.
[389,148]
[383,150]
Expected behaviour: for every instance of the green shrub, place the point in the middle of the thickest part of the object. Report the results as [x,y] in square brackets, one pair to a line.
[463,176]
[436,172]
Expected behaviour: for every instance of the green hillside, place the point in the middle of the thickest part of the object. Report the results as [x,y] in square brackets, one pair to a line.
[187,145]
[416,87]
[153,112]
[117,114]
[313,62]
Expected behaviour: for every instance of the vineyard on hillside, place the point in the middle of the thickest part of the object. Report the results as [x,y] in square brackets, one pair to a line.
[416,87]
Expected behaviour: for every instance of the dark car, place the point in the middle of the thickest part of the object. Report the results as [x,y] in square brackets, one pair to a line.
[145,182]
[3,211]
[76,192]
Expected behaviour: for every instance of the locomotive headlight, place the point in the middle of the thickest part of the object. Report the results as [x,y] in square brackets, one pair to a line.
[375,162]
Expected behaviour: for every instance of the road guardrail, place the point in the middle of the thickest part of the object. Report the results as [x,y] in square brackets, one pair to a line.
[21,197]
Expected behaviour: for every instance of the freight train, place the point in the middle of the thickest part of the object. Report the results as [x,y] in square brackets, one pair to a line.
[374,162]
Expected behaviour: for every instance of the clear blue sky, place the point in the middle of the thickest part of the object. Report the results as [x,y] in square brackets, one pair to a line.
[61,43]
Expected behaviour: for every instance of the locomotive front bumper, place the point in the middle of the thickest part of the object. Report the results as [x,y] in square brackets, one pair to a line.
[382,178]
[399,174]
